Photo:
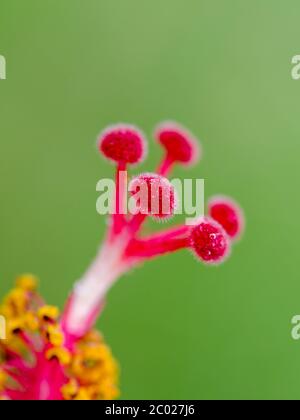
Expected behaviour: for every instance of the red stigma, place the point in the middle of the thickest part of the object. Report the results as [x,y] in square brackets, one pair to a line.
[155,195]
[210,242]
[228,214]
[123,144]
[178,142]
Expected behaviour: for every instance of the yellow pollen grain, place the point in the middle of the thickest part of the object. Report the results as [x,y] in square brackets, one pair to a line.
[59,353]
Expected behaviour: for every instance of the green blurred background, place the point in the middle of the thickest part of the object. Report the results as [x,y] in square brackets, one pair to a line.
[222,68]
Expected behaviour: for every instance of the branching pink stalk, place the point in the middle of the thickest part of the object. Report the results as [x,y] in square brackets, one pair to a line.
[126,247]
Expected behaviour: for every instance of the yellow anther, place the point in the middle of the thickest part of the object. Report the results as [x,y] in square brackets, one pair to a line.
[55,335]
[95,353]
[93,363]
[48,313]
[92,337]
[31,322]
[16,302]
[83,395]
[70,390]
[61,354]
[27,282]
[15,326]
[108,390]
[3,378]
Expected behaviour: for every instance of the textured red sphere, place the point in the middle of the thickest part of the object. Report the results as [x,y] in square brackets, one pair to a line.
[210,242]
[180,145]
[228,214]
[155,195]
[123,144]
